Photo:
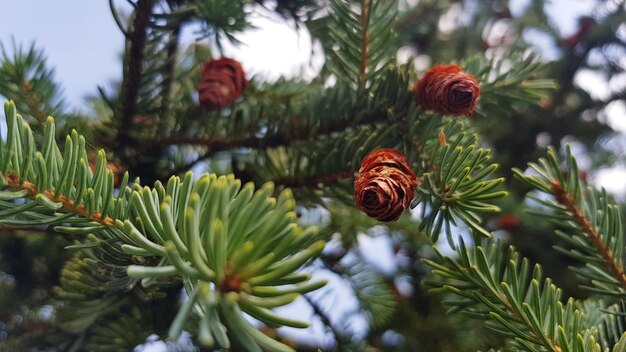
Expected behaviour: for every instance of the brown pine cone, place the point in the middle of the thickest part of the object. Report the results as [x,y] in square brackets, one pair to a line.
[447,90]
[385,185]
[223,81]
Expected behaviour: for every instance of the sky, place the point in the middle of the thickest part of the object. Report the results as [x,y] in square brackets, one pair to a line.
[84,45]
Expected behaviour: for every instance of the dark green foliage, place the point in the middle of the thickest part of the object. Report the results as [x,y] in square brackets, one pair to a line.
[25,79]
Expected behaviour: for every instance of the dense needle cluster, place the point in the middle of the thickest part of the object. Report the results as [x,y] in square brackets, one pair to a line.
[385,184]
[223,81]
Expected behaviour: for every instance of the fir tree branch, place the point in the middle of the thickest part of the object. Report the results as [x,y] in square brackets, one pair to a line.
[68,205]
[593,226]
[219,143]
[294,182]
[536,333]
[499,286]
[235,248]
[133,62]
[33,102]
[567,200]
[362,36]
[25,79]
[168,71]
[364,21]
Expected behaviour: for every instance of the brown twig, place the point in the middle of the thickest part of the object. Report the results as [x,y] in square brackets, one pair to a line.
[564,198]
[222,143]
[136,42]
[13,183]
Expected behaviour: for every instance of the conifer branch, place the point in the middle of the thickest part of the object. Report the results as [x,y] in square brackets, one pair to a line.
[33,102]
[168,71]
[232,245]
[294,182]
[26,79]
[364,20]
[593,225]
[219,143]
[67,204]
[567,200]
[498,285]
[133,63]
[536,333]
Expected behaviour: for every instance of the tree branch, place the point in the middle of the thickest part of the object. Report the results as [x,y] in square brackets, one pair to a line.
[364,20]
[295,182]
[168,75]
[33,101]
[217,144]
[68,205]
[566,199]
[222,143]
[136,42]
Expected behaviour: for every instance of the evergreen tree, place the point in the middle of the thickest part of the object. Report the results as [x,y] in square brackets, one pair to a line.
[100,248]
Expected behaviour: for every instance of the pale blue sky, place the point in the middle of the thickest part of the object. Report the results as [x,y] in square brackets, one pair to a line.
[79,38]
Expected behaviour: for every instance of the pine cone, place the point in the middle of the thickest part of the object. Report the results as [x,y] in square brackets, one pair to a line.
[385,184]
[222,82]
[448,91]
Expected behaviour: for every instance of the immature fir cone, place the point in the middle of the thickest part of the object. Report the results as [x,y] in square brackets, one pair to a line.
[385,184]
[223,81]
[448,91]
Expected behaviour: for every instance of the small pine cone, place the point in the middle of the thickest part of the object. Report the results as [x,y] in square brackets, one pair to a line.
[222,82]
[385,185]
[447,91]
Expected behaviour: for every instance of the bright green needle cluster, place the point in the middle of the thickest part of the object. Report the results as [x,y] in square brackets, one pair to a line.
[231,246]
